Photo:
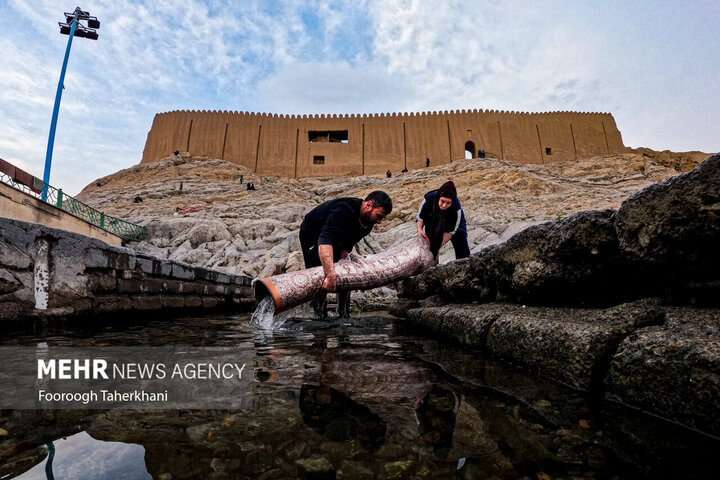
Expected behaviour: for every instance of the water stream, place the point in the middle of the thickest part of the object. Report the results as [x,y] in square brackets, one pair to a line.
[358,399]
[263,318]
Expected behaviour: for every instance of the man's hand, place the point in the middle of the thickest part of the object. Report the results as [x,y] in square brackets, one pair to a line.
[329,282]
[325,252]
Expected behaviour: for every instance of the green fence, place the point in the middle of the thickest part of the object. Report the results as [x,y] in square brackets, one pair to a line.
[56,197]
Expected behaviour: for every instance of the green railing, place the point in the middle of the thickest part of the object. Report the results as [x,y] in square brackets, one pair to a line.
[63,201]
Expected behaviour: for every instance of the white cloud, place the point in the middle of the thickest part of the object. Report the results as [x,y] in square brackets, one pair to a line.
[332,88]
[652,64]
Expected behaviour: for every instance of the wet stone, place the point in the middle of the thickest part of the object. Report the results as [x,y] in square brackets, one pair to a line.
[673,369]
[398,469]
[316,468]
[355,471]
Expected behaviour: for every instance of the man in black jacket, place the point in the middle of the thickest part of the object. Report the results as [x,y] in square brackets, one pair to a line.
[330,231]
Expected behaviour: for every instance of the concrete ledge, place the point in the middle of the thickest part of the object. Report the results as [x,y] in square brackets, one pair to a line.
[21,206]
[665,360]
[50,273]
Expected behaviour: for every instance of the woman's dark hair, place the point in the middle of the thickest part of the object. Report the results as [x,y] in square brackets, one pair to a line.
[447,190]
[380,199]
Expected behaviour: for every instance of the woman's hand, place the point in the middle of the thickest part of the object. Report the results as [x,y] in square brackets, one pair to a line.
[419,225]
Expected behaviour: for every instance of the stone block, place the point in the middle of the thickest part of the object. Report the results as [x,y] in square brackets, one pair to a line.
[183,272]
[147,302]
[673,370]
[129,286]
[193,301]
[99,283]
[96,258]
[106,258]
[112,303]
[164,268]
[172,301]
[171,286]
[244,291]
[211,302]
[196,288]
[152,285]
[77,306]
[146,264]
[132,274]
[464,324]
[154,266]
[572,346]
[214,276]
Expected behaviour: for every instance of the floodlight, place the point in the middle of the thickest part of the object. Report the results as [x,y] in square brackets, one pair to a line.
[72,25]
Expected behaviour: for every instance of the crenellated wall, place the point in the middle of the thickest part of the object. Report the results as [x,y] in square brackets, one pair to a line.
[273,144]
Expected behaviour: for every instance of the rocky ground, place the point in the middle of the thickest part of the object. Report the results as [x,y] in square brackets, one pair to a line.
[254,233]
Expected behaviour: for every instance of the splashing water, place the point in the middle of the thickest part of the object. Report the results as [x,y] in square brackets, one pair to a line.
[264,315]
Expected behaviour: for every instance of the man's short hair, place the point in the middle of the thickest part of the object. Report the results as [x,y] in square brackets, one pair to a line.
[380,199]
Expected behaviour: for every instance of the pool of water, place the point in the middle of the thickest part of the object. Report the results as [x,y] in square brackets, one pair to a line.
[359,399]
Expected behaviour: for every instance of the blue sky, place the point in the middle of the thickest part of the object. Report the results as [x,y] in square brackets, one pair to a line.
[653,64]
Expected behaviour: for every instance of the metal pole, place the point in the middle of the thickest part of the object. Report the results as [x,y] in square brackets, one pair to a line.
[56,109]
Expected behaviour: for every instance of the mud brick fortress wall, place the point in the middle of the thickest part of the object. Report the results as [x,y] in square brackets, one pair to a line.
[322,145]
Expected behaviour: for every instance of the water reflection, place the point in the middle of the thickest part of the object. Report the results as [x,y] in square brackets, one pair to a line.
[360,400]
[80,456]
[339,418]
[435,412]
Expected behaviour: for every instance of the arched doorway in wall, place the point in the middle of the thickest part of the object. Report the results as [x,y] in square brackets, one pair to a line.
[470,150]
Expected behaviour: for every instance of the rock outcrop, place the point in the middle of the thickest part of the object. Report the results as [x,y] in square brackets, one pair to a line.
[215,222]
[663,241]
[660,354]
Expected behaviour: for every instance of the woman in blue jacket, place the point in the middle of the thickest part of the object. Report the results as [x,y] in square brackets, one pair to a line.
[442,219]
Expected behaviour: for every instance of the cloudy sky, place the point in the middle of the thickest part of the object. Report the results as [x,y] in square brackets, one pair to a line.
[655,65]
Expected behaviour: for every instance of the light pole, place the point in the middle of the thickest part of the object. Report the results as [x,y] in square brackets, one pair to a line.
[73,28]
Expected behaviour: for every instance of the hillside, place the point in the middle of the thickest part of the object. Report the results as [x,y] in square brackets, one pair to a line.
[255,232]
